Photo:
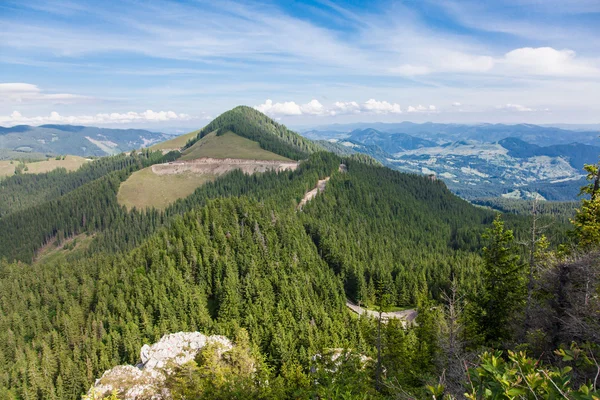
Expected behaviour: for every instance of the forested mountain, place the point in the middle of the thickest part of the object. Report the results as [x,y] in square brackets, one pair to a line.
[391,142]
[240,258]
[75,140]
[577,153]
[254,125]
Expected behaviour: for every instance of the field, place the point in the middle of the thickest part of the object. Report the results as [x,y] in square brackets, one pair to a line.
[229,145]
[162,184]
[6,168]
[146,189]
[175,143]
[70,163]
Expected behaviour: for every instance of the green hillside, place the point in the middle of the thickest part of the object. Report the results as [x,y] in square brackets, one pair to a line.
[145,189]
[254,125]
[228,145]
[86,281]
[175,143]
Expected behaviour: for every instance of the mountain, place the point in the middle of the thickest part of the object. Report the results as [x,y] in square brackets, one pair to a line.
[481,168]
[274,261]
[437,132]
[392,143]
[254,125]
[75,140]
[578,154]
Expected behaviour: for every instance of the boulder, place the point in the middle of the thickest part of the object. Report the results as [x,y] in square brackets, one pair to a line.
[146,379]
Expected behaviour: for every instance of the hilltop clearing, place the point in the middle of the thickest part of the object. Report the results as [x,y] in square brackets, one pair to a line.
[70,163]
[162,184]
[145,188]
[228,145]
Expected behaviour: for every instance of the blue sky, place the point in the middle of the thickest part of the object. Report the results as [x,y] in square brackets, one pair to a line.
[165,64]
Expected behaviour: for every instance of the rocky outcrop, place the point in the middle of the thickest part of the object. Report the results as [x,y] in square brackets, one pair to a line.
[146,379]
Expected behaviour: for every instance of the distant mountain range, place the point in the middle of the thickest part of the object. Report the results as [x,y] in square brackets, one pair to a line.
[478,161]
[76,140]
[540,135]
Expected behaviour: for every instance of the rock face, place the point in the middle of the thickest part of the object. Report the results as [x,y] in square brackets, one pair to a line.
[146,379]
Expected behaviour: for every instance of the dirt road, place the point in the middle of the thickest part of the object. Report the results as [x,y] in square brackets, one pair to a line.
[311,194]
[407,316]
[219,166]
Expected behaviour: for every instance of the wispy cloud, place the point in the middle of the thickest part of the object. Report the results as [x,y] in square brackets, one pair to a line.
[26,92]
[148,116]
[213,55]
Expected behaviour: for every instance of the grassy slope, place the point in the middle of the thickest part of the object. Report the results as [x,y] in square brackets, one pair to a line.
[229,145]
[146,189]
[70,163]
[175,143]
[6,168]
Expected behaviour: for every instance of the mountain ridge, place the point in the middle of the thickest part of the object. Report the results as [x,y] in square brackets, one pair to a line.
[75,140]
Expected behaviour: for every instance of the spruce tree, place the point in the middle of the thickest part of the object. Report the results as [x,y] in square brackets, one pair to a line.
[503,293]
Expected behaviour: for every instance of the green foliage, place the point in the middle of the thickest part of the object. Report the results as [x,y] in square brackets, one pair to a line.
[556,210]
[237,258]
[376,224]
[89,204]
[20,192]
[502,294]
[587,219]
[521,377]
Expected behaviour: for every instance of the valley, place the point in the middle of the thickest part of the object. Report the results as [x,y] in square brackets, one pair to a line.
[474,168]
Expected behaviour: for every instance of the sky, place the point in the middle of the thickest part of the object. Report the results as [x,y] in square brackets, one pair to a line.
[162,64]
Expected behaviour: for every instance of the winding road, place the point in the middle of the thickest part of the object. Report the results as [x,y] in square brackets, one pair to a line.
[407,316]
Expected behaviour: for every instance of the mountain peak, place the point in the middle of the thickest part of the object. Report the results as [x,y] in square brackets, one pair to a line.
[254,125]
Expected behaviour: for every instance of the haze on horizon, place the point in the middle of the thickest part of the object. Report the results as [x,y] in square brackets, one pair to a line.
[161,64]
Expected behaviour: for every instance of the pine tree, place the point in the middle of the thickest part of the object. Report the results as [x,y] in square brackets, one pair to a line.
[503,293]
[587,219]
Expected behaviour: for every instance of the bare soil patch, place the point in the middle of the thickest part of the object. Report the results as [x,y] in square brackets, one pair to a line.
[218,166]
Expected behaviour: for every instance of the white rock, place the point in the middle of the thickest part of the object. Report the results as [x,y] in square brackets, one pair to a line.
[146,379]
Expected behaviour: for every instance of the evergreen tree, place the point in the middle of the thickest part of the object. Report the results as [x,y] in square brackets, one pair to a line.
[502,295]
[587,218]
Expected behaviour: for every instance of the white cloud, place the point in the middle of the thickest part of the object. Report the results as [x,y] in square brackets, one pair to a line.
[313,107]
[381,107]
[25,92]
[16,118]
[515,107]
[345,107]
[287,108]
[456,104]
[420,108]
[279,109]
[549,61]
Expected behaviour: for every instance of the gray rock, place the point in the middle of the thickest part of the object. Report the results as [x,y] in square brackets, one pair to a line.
[146,379]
